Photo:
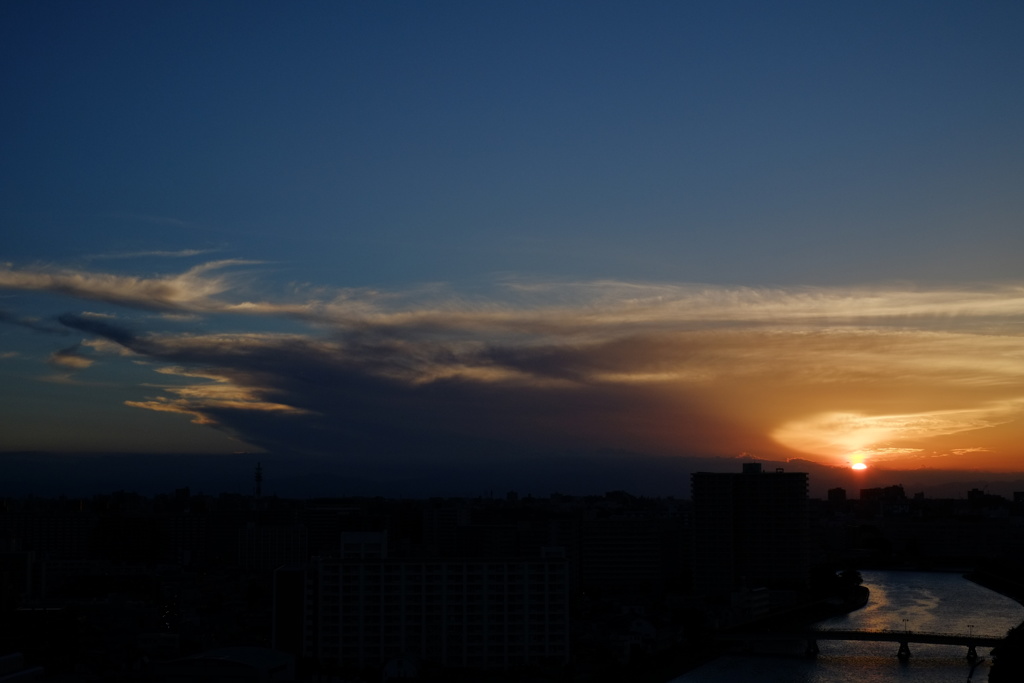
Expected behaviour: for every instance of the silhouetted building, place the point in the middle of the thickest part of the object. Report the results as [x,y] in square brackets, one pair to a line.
[231,665]
[19,578]
[14,668]
[885,501]
[289,607]
[365,611]
[750,530]
[629,552]
[264,548]
[886,493]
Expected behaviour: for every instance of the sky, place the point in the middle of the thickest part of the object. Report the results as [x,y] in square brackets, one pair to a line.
[481,241]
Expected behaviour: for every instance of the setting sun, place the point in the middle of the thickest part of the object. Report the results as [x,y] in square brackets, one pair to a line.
[858,466]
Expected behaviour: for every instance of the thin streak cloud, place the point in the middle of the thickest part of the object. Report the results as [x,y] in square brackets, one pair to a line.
[181,253]
[151,218]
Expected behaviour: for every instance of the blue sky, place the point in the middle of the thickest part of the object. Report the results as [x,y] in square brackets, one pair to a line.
[394,143]
[419,191]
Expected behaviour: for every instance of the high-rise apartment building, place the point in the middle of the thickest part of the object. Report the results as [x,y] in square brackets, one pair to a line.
[751,530]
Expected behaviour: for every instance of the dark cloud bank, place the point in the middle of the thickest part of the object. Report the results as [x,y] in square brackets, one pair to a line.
[352,400]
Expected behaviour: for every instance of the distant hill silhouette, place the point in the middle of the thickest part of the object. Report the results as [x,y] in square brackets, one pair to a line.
[460,474]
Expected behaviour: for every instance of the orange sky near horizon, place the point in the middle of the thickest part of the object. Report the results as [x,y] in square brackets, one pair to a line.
[895,377]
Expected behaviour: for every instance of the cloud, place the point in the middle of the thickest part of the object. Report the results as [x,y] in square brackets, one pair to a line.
[70,358]
[194,290]
[884,371]
[538,308]
[29,323]
[107,347]
[181,253]
[843,434]
[220,395]
[150,218]
[111,331]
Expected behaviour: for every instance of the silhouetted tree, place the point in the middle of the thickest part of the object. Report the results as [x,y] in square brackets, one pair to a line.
[1008,658]
[850,578]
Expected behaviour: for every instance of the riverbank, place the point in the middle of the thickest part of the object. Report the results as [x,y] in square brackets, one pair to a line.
[807,613]
[1002,580]
[796,618]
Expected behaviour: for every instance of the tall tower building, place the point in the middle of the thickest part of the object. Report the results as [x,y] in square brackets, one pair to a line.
[751,530]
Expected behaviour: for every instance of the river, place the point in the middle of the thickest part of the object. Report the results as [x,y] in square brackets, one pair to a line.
[938,602]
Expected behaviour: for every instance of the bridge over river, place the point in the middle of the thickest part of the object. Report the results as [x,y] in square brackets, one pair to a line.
[904,638]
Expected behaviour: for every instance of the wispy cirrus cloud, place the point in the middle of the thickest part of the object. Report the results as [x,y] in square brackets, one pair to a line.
[666,368]
[194,290]
[534,308]
[152,218]
[180,253]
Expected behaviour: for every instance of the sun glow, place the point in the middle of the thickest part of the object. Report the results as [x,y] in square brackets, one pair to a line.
[858,466]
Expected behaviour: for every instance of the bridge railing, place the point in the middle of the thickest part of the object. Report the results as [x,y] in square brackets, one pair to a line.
[908,632]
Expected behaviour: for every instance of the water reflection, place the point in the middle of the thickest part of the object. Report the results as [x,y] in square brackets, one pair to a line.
[935,602]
